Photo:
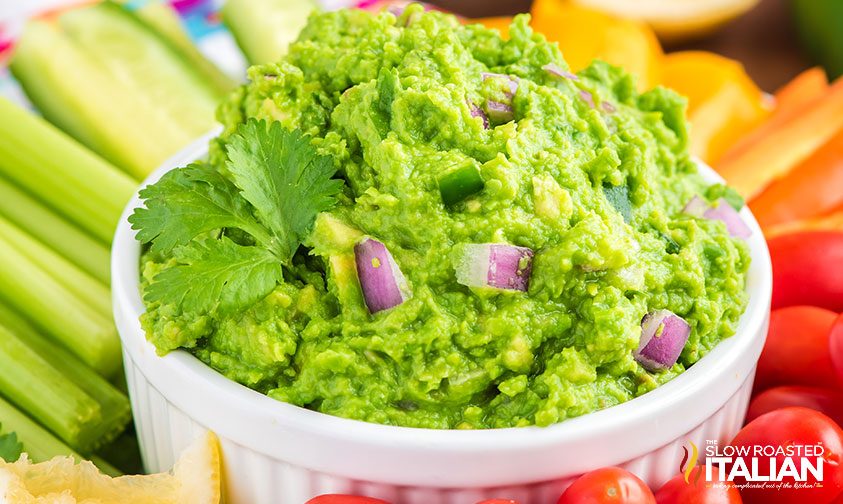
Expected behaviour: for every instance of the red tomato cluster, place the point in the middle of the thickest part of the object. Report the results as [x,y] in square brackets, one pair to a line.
[798,395]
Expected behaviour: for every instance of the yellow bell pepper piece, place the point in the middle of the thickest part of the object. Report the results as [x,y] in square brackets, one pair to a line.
[585,34]
[724,104]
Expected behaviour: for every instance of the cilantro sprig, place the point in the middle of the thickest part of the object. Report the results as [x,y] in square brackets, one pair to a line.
[281,175]
[190,201]
[277,186]
[10,447]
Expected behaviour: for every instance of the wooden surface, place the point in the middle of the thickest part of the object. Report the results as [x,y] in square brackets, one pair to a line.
[763,39]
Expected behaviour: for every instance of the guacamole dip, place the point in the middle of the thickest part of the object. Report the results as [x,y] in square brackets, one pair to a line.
[446,140]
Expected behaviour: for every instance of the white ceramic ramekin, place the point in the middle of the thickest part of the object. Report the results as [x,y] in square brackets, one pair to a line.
[279,453]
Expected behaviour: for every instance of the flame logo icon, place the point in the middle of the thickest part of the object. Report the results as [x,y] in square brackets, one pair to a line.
[689,461]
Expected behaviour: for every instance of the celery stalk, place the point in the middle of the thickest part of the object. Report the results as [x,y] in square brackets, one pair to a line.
[36,387]
[42,299]
[105,467]
[55,232]
[81,284]
[60,172]
[114,405]
[76,94]
[38,443]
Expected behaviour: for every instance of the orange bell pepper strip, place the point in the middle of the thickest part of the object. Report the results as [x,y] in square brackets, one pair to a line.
[790,100]
[804,88]
[830,222]
[814,187]
[753,165]
[500,23]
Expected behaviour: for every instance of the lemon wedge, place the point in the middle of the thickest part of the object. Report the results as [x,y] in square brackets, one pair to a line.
[194,479]
[676,20]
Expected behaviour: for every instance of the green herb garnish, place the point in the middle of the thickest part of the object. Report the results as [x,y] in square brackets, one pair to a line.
[10,447]
[277,186]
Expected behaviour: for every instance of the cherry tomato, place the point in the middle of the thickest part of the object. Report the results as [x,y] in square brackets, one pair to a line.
[796,351]
[806,269]
[344,499]
[825,400]
[791,428]
[835,345]
[697,491]
[610,485]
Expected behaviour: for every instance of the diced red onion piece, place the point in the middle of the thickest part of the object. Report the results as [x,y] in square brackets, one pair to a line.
[495,265]
[501,111]
[498,111]
[586,96]
[381,281]
[478,112]
[512,82]
[663,336]
[608,107]
[696,207]
[557,71]
[510,267]
[721,211]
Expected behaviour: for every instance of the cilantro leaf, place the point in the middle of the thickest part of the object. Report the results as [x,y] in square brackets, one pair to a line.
[215,273]
[280,173]
[10,447]
[187,202]
[277,186]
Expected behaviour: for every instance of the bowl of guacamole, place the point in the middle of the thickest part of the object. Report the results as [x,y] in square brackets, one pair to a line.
[417,239]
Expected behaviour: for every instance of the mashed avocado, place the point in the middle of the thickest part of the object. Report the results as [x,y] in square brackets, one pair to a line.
[588,173]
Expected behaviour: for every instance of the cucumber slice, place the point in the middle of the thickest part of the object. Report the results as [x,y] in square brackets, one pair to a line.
[165,21]
[265,28]
[79,96]
[143,62]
